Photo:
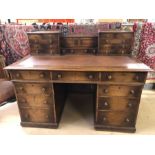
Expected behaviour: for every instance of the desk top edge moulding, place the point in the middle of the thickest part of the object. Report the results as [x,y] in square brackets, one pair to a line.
[104,61]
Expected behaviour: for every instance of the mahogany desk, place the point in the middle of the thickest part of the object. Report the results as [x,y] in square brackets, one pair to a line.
[40,85]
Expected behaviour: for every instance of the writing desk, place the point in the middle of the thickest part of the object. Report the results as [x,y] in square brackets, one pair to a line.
[40,85]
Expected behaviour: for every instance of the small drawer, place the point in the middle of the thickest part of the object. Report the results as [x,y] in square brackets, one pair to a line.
[30,75]
[75,76]
[123,118]
[37,115]
[117,103]
[119,90]
[33,88]
[123,77]
[35,100]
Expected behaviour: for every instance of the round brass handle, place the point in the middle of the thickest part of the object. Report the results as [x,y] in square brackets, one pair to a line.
[43,90]
[23,101]
[51,46]
[109,77]
[130,105]
[123,52]
[127,120]
[36,41]
[106,104]
[105,90]
[94,51]
[45,102]
[17,75]
[72,51]
[85,51]
[90,76]
[104,119]
[132,91]
[26,116]
[50,41]
[47,116]
[137,78]
[59,76]
[42,75]
[63,51]
[21,88]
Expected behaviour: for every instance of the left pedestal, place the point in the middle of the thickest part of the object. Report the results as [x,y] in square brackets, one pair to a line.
[37,104]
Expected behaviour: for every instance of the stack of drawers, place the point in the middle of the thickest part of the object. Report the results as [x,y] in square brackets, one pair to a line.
[79,45]
[118,100]
[115,43]
[44,42]
[35,98]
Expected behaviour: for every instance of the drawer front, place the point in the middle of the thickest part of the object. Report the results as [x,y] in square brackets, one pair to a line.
[75,76]
[123,77]
[123,119]
[44,43]
[117,103]
[30,75]
[35,100]
[33,88]
[79,51]
[37,115]
[79,42]
[119,90]
[116,43]
[114,35]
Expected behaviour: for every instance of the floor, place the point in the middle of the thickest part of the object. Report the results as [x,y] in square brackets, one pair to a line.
[77,119]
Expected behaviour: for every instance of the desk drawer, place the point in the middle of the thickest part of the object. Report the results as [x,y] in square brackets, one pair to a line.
[119,90]
[117,103]
[33,88]
[30,75]
[123,77]
[35,100]
[123,118]
[37,115]
[75,76]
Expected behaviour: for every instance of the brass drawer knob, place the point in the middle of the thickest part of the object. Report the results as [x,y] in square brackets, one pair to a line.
[130,105]
[109,77]
[23,101]
[85,51]
[122,52]
[27,116]
[105,90]
[106,104]
[17,75]
[104,119]
[36,41]
[127,120]
[59,76]
[137,78]
[21,88]
[132,92]
[90,76]
[72,51]
[45,102]
[43,90]
[94,51]
[47,116]
[42,75]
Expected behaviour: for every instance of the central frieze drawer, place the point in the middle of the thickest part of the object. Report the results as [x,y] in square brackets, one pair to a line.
[123,77]
[119,90]
[35,100]
[123,118]
[117,103]
[33,88]
[37,115]
[30,75]
[75,76]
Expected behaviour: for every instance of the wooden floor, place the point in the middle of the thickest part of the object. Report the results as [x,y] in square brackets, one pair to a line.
[77,119]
